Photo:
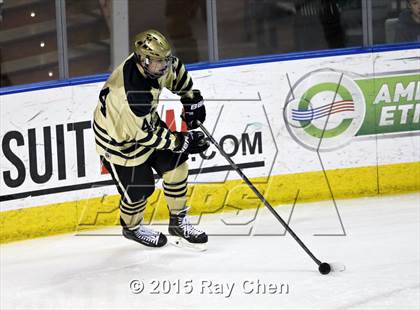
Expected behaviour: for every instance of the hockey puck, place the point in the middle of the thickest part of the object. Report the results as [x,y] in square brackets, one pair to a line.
[324,268]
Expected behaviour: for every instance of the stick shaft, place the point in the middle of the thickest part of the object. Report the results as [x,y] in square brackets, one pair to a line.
[259,195]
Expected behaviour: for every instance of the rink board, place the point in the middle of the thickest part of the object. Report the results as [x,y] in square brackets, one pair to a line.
[275,119]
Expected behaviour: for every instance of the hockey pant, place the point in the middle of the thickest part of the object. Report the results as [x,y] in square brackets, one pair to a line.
[136,184]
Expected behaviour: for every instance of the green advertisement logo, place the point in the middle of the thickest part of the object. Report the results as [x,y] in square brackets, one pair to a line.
[325,110]
[393,104]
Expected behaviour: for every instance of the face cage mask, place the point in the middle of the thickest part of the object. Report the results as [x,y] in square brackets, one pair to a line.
[152,74]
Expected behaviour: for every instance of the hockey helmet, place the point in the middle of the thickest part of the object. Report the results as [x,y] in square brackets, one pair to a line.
[153,52]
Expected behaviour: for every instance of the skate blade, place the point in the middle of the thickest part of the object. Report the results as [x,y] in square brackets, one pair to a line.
[337,267]
[182,243]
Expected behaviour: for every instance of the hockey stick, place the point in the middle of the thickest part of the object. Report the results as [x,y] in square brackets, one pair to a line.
[323,268]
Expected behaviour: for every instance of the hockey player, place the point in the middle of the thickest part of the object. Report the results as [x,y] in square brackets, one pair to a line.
[131,139]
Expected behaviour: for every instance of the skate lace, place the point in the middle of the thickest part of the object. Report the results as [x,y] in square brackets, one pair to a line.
[188,228]
[147,234]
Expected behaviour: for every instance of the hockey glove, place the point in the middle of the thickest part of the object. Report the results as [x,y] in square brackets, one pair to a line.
[192,142]
[194,110]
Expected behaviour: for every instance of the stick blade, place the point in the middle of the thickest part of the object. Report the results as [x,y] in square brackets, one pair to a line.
[337,267]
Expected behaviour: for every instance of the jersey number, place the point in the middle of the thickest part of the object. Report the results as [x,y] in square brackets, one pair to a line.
[147,126]
[102,98]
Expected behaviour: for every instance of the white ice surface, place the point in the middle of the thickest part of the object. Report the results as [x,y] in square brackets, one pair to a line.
[381,251]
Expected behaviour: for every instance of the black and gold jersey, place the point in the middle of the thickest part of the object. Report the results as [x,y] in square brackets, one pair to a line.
[126,125]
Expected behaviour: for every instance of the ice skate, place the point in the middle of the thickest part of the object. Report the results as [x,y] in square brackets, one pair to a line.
[185,234]
[146,236]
